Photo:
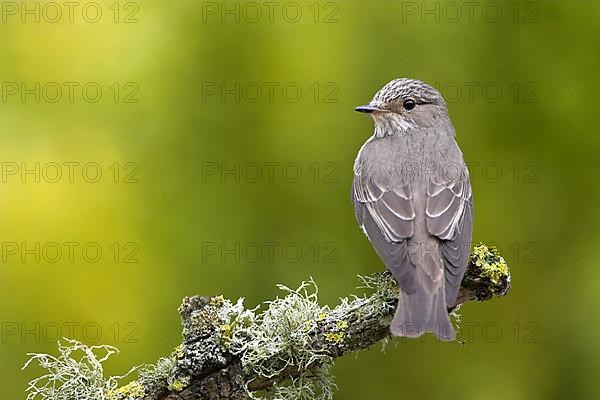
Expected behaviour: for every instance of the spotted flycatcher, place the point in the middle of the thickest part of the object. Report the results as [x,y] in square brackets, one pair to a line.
[412,198]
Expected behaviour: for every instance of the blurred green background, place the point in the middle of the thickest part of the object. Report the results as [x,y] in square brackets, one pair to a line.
[180,132]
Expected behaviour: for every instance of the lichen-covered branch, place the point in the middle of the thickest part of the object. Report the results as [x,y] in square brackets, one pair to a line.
[285,349]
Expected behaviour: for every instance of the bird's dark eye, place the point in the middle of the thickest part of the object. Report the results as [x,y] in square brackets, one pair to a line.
[409,104]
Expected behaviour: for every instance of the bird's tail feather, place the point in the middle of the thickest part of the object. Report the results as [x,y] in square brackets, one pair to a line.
[422,312]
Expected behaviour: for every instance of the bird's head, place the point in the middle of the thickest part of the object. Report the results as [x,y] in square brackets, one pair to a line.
[404,105]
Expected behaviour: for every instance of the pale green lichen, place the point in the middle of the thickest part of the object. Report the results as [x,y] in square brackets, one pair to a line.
[381,302]
[164,374]
[315,384]
[383,285]
[77,373]
[266,343]
[280,337]
[455,319]
[156,376]
[283,336]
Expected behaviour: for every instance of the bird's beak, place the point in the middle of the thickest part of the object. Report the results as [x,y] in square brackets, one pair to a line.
[369,108]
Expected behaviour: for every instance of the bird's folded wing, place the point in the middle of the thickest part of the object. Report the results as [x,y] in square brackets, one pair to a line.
[386,216]
[449,212]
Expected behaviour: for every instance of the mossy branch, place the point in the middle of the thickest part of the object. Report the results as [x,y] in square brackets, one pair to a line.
[284,352]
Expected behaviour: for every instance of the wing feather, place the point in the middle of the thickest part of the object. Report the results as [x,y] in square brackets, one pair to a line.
[449,212]
[386,216]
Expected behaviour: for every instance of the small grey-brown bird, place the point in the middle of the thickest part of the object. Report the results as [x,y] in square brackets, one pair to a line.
[412,198]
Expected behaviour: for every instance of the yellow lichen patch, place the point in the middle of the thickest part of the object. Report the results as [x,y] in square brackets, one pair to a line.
[492,264]
[111,395]
[179,351]
[495,271]
[217,301]
[179,384]
[322,316]
[335,337]
[341,325]
[226,332]
[308,326]
[131,390]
